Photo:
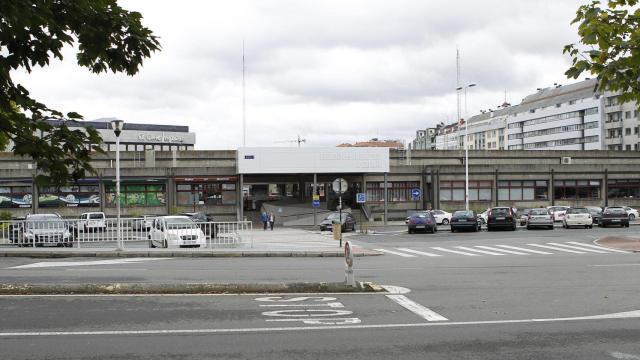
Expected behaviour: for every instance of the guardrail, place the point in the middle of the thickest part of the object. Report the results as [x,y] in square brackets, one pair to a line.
[134,232]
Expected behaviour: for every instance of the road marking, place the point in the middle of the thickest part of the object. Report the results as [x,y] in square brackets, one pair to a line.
[455,252]
[416,308]
[623,356]
[623,315]
[83,263]
[597,247]
[557,248]
[396,289]
[523,249]
[480,251]
[417,252]
[394,253]
[331,305]
[578,248]
[605,265]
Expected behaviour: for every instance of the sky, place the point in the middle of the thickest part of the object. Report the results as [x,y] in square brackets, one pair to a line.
[327,71]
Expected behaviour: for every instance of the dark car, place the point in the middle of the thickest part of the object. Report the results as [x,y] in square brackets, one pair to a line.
[465,220]
[596,214]
[348,222]
[501,217]
[614,216]
[203,222]
[422,220]
[197,216]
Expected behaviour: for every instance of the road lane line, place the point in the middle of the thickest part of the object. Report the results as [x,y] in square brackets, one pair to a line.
[615,316]
[84,263]
[614,265]
[416,308]
[455,252]
[556,248]
[394,252]
[480,251]
[578,248]
[417,252]
[523,249]
[597,247]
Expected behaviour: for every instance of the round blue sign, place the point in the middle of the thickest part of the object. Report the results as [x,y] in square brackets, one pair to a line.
[415,193]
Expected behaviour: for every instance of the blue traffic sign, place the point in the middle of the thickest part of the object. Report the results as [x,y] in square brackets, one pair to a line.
[361,198]
[315,203]
[415,193]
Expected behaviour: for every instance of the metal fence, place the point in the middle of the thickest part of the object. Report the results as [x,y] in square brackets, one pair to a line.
[134,233]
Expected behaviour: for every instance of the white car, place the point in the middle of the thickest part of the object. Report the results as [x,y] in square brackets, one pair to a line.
[577,217]
[442,217]
[176,231]
[557,212]
[92,221]
[482,217]
[633,213]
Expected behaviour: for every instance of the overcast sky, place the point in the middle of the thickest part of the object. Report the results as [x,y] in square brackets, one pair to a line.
[329,71]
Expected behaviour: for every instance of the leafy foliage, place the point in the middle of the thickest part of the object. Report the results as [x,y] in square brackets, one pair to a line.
[31,33]
[611,39]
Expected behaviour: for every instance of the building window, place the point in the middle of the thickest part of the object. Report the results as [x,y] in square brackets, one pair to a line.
[397,190]
[614,116]
[209,193]
[576,189]
[627,131]
[572,102]
[137,195]
[525,190]
[624,189]
[627,147]
[454,190]
[15,196]
[627,115]
[70,196]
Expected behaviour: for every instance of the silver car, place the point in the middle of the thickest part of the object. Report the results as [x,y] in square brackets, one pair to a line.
[540,217]
[46,229]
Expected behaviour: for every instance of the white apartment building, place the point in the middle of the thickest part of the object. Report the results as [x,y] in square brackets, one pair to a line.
[486,131]
[447,138]
[559,118]
[425,139]
[620,124]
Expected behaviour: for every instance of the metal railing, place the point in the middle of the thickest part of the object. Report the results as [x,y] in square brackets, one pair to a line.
[134,233]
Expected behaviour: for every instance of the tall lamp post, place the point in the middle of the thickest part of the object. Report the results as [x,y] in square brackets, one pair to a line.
[116,126]
[466,147]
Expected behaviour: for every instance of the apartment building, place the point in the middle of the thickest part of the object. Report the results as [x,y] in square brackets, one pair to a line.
[486,130]
[425,139]
[620,124]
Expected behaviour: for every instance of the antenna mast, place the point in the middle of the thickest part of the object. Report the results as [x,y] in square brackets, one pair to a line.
[458,83]
[244,106]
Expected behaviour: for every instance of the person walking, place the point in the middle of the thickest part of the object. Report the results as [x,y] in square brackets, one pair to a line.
[272,219]
[264,218]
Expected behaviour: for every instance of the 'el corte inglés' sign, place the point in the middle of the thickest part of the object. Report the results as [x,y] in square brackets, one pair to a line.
[282,160]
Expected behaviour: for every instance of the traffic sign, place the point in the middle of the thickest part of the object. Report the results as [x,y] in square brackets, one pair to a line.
[361,198]
[415,193]
[316,198]
[340,185]
[315,203]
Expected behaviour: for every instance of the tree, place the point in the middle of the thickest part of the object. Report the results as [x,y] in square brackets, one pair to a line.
[611,39]
[31,33]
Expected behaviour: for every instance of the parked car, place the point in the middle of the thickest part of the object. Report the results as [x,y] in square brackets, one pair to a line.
[348,222]
[633,213]
[522,216]
[482,217]
[46,229]
[91,221]
[557,212]
[596,213]
[540,217]
[461,220]
[203,222]
[175,231]
[577,216]
[422,220]
[197,216]
[501,217]
[442,217]
[614,216]
[144,223]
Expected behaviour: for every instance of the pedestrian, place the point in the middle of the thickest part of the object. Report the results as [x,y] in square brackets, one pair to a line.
[272,219]
[264,218]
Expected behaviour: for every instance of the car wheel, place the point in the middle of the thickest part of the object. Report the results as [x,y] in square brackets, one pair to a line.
[445,221]
[151,245]
[453,229]
[165,244]
[514,228]
[434,230]
[632,217]
[410,231]
[626,225]
[528,227]
[590,226]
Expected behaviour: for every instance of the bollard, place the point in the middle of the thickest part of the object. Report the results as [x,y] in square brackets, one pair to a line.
[348,265]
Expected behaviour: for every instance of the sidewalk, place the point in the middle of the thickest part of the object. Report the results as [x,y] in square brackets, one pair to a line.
[627,243]
[281,242]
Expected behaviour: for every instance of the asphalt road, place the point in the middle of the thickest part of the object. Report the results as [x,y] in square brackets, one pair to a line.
[481,306]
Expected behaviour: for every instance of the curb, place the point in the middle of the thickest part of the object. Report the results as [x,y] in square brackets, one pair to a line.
[204,288]
[180,254]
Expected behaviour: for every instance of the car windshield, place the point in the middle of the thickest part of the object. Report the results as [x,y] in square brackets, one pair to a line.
[595,211]
[96,216]
[45,223]
[577,211]
[463,214]
[421,214]
[539,212]
[180,223]
[336,216]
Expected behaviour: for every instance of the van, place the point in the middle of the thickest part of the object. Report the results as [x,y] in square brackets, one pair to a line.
[92,221]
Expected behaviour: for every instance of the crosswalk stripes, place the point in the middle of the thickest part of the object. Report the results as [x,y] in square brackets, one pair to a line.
[572,247]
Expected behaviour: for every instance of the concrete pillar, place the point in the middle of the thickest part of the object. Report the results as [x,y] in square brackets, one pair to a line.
[314,191]
[34,196]
[240,198]
[605,187]
[386,200]
[102,193]
[423,180]
[495,187]
[551,194]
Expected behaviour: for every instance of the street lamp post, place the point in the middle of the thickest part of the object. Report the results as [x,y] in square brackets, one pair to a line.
[466,147]
[116,126]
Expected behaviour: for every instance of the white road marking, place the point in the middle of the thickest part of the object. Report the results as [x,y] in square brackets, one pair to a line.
[597,247]
[84,263]
[394,253]
[331,305]
[638,264]
[623,356]
[523,249]
[557,248]
[416,308]
[455,252]
[623,315]
[396,289]
[578,248]
[417,252]
[480,251]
